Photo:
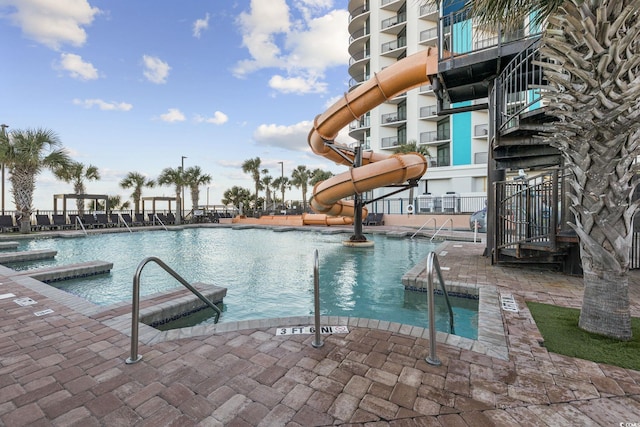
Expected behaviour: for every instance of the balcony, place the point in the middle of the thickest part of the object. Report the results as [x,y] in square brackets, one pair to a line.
[393,5]
[429,37]
[359,10]
[359,56]
[480,158]
[394,48]
[429,12]
[364,122]
[391,142]
[434,137]
[429,112]
[393,119]
[392,25]
[481,131]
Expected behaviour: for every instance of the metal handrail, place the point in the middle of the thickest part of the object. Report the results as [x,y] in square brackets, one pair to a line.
[424,225]
[440,229]
[317,343]
[120,218]
[155,215]
[432,263]
[135,305]
[79,221]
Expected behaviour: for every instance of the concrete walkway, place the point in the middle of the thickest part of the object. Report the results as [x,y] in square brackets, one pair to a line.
[65,367]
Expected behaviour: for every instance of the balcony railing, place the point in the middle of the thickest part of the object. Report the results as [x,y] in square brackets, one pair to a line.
[481,130]
[359,56]
[393,45]
[431,33]
[459,35]
[480,158]
[393,117]
[394,20]
[360,33]
[392,141]
[433,136]
[358,10]
[364,122]
[429,111]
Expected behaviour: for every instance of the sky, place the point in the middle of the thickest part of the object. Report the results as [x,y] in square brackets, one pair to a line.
[133,86]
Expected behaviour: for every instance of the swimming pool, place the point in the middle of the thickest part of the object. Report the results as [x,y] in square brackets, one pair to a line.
[268,274]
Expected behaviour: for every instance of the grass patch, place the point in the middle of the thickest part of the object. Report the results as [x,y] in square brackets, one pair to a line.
[559,328]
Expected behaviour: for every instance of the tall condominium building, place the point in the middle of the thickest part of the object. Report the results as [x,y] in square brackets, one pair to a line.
[383,32]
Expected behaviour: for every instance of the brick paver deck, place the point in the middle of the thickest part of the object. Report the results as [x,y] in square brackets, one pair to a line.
[66,368]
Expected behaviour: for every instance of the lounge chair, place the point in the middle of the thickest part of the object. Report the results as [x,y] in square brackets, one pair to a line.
[102,220]
[7,224]
[171,218]
[43,222]
[114,220]
[138,219]
[60,222]
[126,218]
[89,221]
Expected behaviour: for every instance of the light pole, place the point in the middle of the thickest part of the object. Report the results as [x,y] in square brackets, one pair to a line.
[4,132]
[182,185]
[282,184]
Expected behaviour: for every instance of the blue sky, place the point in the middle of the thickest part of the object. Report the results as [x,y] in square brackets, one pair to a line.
[135,85]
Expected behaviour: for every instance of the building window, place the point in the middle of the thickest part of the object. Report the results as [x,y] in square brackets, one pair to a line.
[444,154]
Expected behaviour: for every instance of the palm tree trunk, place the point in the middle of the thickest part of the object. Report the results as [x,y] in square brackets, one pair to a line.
[23,186]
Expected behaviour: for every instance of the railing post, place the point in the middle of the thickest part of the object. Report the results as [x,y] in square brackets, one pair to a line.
[317,343]
[134,357]
[432,359]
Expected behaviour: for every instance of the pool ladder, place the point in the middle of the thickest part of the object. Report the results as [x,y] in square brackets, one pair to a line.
[135,306]
[434,265]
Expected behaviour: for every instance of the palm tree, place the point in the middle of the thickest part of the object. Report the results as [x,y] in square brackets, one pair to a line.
[77,173]
[236,196]
[26,153]
[252,166]
[412,147]
[592,63]
[300,179]
[136,181]
[282,183]
[319,175]
[266,182]
[194,178]
[175,177]
[115,203]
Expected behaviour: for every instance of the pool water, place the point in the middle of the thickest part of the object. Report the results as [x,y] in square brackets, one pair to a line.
[267,274]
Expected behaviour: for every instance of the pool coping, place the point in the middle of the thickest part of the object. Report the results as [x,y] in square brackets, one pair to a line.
[491,341]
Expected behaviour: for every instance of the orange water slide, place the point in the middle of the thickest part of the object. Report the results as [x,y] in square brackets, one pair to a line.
[377,170]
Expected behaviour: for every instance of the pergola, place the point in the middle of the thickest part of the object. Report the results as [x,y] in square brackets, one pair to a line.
[154,199]
[64,197]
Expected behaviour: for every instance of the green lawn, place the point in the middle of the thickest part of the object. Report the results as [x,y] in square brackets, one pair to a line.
[559,328]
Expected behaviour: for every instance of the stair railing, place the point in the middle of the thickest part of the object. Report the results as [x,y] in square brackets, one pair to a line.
[434,265]
[424,225]
[135,305]
[450,220]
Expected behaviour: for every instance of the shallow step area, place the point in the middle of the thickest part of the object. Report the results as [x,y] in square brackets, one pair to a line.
[9,245]
[188,303]
[67,272]
[22,256]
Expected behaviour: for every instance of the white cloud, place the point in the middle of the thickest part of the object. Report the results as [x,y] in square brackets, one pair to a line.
[103,105]
[53,23]
[218,118]
[301,43]
[293,137]
[77,67]
[173,115]
[299,85]
[156,70]
[200,25]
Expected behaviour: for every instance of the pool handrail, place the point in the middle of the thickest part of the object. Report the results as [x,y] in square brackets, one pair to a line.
[120,218]
[441,227]
[156,217]
[135,305]
[317,342]
[424,225]
[433,264]
[79,221]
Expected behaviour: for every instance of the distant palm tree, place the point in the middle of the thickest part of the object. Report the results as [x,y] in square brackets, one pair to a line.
[26,153]
[319,175]
[115,203]
[300,179]
[282,183]
[136,181]
[252,167]
[194,178]
[267,181]
[77,173]
[175,177]
[412,147]
[236,196]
